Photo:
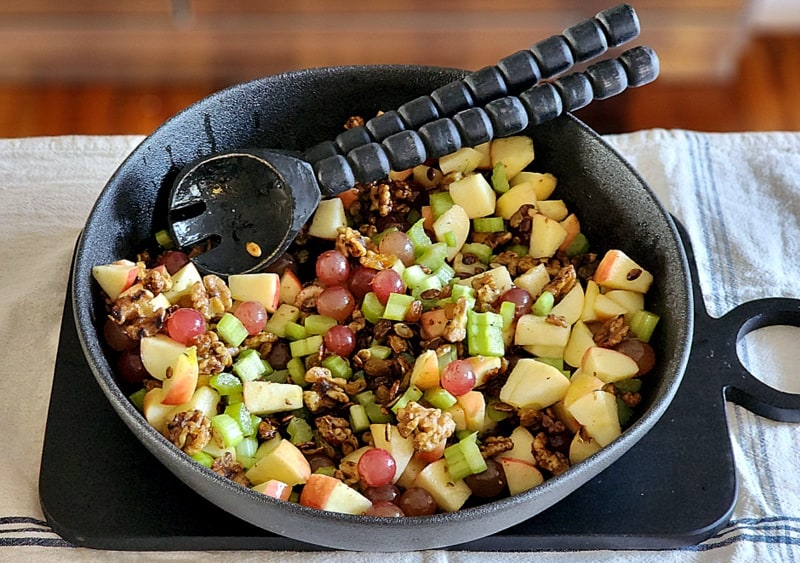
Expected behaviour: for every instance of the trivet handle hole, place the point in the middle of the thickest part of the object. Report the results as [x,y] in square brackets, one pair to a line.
[772,355]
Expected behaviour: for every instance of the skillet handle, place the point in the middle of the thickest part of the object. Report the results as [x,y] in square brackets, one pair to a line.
[739,385]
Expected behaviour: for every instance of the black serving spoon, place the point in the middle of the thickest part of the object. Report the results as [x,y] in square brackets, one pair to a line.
[251,204]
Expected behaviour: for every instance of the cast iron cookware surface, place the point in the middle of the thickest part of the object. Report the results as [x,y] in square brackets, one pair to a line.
[296,110]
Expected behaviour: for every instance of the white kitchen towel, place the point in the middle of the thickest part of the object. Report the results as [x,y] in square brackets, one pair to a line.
[737,194]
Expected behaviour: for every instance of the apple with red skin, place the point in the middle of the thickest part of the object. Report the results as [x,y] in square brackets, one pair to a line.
[290,286]
[181,380]
[264,287]
[116,277]
[324,492]
[274,488]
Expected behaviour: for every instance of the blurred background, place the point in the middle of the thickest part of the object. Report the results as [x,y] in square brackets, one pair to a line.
[100,67]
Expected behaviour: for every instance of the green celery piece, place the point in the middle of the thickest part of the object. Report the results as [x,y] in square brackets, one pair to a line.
[306,346]
[297,371]
[508,310]
[372,308]
[450,239]
[439,398]
[543,304]
[365,397]
[231,330]
[318,324]
[226,430]
[359,421]
[440,202]
[277,376]
[225,383]
[485,334]
[299,431]
[235,397]
[446,355]
[633,385]
[557,363]
[397,306]
[445,273]
[137,398]
[430,282]
[241,415]
[376,414]
[643,323]
[495,414]
[488,224]
[338,365]
[379,351]
[519,249]
[414,275]
[413,393]
[203,458]
[460,290]
[481,251]
[249,366]
[328,470]
[247,448]
[579,245]
[464,458]
[164,240]
[419,237]
[433,256]
[295,331]
[624,412]
[500,178]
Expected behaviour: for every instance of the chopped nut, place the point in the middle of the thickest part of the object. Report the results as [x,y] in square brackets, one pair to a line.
[212,354]
[456,328]
[190,431]
[233,470]
[306,299]
[612,332]
[430,427]
[493,445]
[134,312]
[350,242]
[562,283]
[336,432]
[554,462]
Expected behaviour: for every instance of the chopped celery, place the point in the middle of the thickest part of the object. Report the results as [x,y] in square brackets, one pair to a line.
[377,414]
[485,334]
[137,398]
[643,323]
[450,239]
[299,431]
[445,273]
[226,430]
[430,282]
[397,306]
[306,346]
[235,397]
[508,310]
[633,385]
[379,351]
[460,290]
[519,249]
[494,414]
[579,245]
[624,412]
[439,398]
[446,354]
[500,178]
[440,202]
[479,250]
[249,366]
[297,371]
[433,256]
[318,324]
[328,470]
[164,240]
[414,275]
[543,304]
[241,415]
[225,383]
[277,376]
[203,458]
[419,238]
[365,397]
[359,421]
[295,331]
[372,308]
[247,448]
[231,330]
[488,224]
[557,363]
[464,458]
[413,393]
[338,365]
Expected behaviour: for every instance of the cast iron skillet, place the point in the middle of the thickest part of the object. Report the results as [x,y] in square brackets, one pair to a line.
[296,110]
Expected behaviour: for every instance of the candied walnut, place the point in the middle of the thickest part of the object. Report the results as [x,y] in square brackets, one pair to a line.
[336,431]
[326,391]
[134,312]
[376,260]
[353,122]
[212,354]
[190,431]
[262,342]
[306,299]
[380,196]
[529,418]
[350,242]
[347,472]
[486,292]
[233,470]
[611,332]
[521,219]
[267,429]
[554,462]
[631,399]
[358,321]
[514,263]
[430,427]
[456,328]
[492,240]
[556,320]
[156,281]
[218,295]
[562,282]
[493,445]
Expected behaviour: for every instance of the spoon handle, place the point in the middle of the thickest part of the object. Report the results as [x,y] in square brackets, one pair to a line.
[500,117]
[546,59]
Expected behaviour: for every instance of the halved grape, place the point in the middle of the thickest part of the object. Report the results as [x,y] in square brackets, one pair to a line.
[253,316]
[174,260]
[361,281]
[184,324]
[386,509]
[416,501]
[398,244]
[520,298]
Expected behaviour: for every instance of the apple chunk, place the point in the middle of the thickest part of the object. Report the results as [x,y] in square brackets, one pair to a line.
[328,218]
[618,271]
[474,194]
[455,220]
[264,287]
[269,397]
[425,373]
[608,365]
[181,378]
[284,462]
[183,282]
[534,384]
[520,475]
[546,236]
[597,412]
[158,353]
[450,494]
[116,277]
[515,152]
[464,160]
[329,493]
[274,488]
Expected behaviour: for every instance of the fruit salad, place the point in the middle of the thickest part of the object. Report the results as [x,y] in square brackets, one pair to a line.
[439,339]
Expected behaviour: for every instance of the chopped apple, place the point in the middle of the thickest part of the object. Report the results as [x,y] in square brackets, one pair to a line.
[499,277]
[546,236]
[572,225]
[543,183]
[484,367]
[608,365]
[328,218]
[597,412]
[290,286]
[181,378]
[459,417]
[388,437]
[589,297]
[464,160]
[534,280]
[425,373]
[486,157]
[534,384]
[474,405]
[416,464]
[160,301]
[571,305]
[514,198]
[544,351]
[285,314]
[520,475]
[183,282]
[555,209]
[562,414]
[580,340]
[474,194]
[580,449]
[284,462]
[618,271]
[275,489]
[450,494]
[432,323]
[535,330]
[155,412]
[268,397]
[456,221]
[522,439]
[605,308]
[631,301]
[427,176]
[116,277]
[263,287]
[581,383]
[515,152]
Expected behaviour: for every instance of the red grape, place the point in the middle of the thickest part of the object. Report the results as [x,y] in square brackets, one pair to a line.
[332,268]
[361,281]
[383,508]
[341,340]
[117,338]
[416,501]
[131,368]
[382,493]
[253,316]
[376,467]
[184,324]
[399,245]
[519,297]
[174,260]
[458,377]
[336,302]
[489,483]
[387,282]
[279,355]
